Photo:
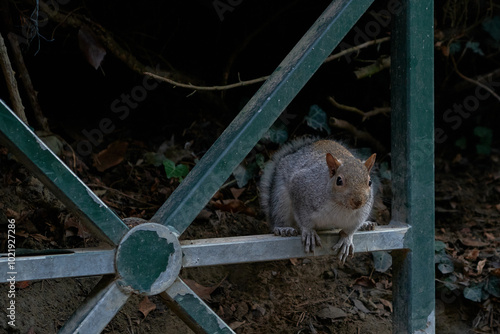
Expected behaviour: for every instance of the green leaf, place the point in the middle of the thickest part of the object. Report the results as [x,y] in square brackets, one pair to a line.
[243,173]
[173,171]
[474,46]
[169,167]
[382,261]
[446,268]
[485,139]
[455,47]
[439,246]
[492,27]
[461,143]
[473,293]
[260,160]
[317,119]
[450,282]
[493,286]
[278,133]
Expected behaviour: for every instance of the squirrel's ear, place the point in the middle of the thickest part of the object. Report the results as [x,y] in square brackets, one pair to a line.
[370,162]
[332,163]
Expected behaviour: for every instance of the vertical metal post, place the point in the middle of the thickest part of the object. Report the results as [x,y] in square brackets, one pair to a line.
[413,165]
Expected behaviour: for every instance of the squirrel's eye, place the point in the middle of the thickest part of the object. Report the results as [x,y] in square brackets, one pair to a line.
[339,181]
[370,183]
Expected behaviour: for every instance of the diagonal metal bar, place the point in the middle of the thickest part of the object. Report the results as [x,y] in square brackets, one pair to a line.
[68,188]
[74,264]
[260,113]
[98,309]
[413,165]
[192,310]
[256,248]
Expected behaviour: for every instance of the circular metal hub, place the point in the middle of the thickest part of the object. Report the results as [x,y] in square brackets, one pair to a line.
[148,259]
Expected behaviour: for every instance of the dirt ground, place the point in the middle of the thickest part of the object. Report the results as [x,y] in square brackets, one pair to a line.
[314,295]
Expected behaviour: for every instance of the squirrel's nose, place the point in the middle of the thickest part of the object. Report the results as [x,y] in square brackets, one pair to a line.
[355,203]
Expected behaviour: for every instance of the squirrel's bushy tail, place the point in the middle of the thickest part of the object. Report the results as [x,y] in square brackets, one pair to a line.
[268,178]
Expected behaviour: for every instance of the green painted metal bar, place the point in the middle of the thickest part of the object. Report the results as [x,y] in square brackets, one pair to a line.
[413,165]
[259,114]
[78,263]
[193,311]
[267,247]
[98,309]
[58,178]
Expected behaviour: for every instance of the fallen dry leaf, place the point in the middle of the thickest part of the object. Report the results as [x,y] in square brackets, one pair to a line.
[473,243]
[237,192]
[203,292]
[236,324]
[472,254]
[234,206]
[386,303]
[365,281]
[110,156]
[92,49]
[146,306]
[480,266]
[23,284]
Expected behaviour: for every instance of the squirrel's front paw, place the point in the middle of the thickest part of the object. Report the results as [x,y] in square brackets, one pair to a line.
[345,246]
[368,226]
[310,239]
[285,231]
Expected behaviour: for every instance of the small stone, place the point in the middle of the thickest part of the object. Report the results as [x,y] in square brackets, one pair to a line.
[331,312]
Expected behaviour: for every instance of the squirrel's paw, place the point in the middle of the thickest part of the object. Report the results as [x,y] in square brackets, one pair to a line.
[310,239]
[345,246]
[368,226]
[285,231]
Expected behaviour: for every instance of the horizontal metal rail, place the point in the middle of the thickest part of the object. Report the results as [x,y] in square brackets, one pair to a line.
[201,252]
[82,262]
[267,247]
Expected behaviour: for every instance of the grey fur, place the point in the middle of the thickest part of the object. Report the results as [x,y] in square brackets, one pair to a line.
[299,195]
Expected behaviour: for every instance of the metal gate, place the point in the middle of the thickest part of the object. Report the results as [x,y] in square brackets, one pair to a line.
[147,258]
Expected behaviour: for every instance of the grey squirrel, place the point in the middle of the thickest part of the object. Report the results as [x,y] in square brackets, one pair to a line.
[312,184]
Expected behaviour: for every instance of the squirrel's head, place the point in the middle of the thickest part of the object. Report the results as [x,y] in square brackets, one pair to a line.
[350,180]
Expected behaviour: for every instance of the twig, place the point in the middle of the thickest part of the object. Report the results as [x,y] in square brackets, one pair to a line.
[476,82]
[11,81]
[481,78]
[363,135]
[196,87]
[26,80]
[344,107]
[122,194]
[366,115]
[356,48]
[378,66]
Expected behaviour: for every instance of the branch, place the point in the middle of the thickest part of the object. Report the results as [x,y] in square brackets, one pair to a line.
[378,66]
[28,85]
[11,81]
[264,78]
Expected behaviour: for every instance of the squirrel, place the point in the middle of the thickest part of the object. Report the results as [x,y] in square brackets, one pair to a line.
[312,184]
